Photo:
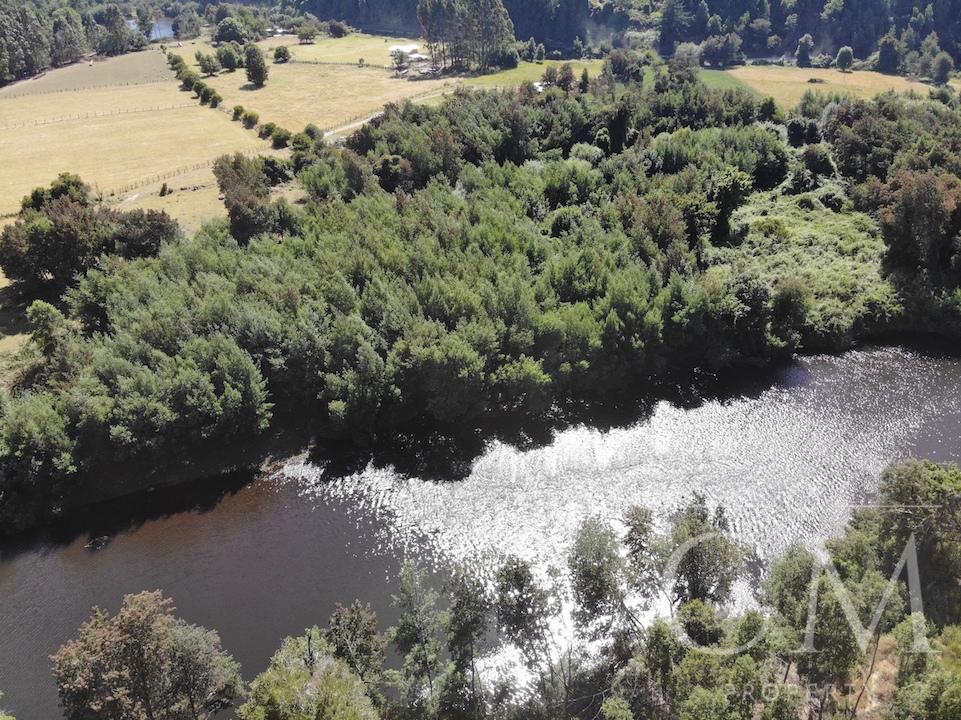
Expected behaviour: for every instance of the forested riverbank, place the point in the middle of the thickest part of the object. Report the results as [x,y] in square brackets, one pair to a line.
[499,259]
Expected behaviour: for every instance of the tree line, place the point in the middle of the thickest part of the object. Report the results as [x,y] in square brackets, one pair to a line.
[902,37]
[468,32]
[810,649]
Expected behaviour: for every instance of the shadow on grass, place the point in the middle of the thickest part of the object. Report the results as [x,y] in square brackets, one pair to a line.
[13,313]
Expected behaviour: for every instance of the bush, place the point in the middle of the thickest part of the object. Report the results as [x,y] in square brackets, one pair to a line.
[238,112]
[281,137]
[251,119]
[282,54]
[215,99]
[267,130]
[337,29]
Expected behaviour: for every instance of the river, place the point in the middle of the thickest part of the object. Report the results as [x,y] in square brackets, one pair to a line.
[788,454]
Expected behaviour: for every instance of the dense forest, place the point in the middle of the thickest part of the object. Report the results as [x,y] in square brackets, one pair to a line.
[874,629]
[891,36]
[506,259]
[39,34]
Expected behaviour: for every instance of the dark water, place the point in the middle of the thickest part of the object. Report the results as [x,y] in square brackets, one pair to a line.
[788,458]
[163,28]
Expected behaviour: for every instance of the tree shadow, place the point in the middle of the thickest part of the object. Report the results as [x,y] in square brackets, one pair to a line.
[13,312]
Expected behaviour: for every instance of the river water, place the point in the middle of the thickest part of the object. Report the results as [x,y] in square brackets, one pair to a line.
[788,455]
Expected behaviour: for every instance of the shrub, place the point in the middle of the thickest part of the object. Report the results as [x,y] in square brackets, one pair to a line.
[845,58]
[215,99]
[251,119]
[266,130]
[281,137]
[238,112]
[337,29]
[282,54]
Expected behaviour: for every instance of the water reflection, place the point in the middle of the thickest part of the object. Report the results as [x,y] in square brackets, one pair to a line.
[787,455]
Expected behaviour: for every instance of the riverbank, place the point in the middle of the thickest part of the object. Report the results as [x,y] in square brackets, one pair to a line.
[789,458]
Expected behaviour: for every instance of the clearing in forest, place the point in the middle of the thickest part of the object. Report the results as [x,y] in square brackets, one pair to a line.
[788,84]
[327,95]
[532,72]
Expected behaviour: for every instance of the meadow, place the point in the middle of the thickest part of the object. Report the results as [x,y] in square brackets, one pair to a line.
[788,84]
[149,66]
[115,138]
[531,72]
[327,95]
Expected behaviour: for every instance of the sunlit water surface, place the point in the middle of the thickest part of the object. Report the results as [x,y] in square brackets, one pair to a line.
[788,461]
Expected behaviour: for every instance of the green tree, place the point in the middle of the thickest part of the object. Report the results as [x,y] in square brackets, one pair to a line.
[415,635]
[145,21]
[597,578]
[845,58]
[231,29]
[209,64]
[144,663]
[707,560]
[67,41]
[802,56]
[256,65]
[305,682]
[889,54]
[942,67]
[187,24]
[352,635]
[282,54]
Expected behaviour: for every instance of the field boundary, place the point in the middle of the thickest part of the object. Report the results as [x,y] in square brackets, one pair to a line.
[358,66]
[108,86]
[87,116]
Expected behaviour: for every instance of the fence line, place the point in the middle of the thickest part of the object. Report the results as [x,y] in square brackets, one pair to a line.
[356,66]
[87,116]
[85,88]
[159,177]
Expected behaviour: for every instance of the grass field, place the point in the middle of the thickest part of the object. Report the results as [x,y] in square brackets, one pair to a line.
[328,95]
[147,66]
[373,49]
[723,80]
[531,72]
[788,84]
[115,149]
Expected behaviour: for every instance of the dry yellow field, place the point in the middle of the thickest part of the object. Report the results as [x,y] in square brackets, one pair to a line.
[134,68]
[788,84]
[110,151]
[373,49]
[327,95]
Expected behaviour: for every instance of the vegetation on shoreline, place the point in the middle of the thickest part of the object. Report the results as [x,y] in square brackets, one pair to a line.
[813,648]
[506,254]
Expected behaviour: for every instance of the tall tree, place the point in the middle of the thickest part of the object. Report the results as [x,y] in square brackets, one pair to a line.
[144,664]
[68,39]
[256,65]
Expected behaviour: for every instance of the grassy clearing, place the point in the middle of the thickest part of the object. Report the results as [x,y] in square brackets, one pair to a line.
[141,67]
[51,108]
[836,254]
[787,84]
[193,199]
[723,80]
[328,95]
[531,72]
[111,151]
[374,49]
